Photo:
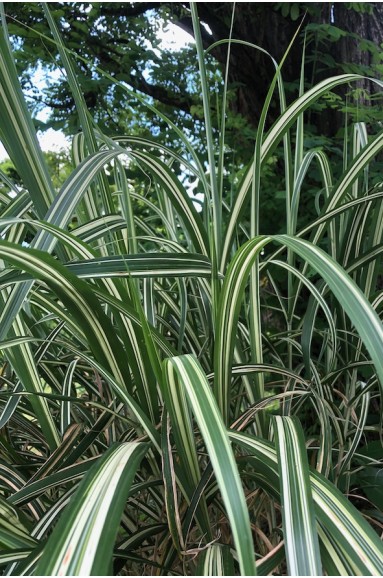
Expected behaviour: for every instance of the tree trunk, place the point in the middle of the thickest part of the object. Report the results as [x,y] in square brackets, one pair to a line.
[267,25]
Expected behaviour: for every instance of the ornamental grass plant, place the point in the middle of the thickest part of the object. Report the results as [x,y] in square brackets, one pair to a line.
[180,394]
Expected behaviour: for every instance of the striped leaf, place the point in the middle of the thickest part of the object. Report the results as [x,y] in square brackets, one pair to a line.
[82,542]
[274,136]
[14,556]
[220,453]
[69,474]
[170,488]
[179,197]
[345,528]
[188,469]
[228,314]
[147,265]
[13,533]
[298,515]
[17,131]
[85,120]
[353,301]
[80,300]
[216,560]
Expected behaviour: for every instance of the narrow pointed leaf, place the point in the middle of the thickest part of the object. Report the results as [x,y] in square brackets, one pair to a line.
[298,515]
[82,542]
[346,529]
[217,444]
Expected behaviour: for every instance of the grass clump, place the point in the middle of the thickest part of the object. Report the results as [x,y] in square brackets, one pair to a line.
[181,394]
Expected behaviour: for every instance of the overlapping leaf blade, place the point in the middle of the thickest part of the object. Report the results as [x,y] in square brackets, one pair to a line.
[217,444]
[345,528]
[82,542]
[301,540]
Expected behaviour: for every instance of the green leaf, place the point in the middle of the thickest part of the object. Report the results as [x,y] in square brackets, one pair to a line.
[298,514]
[216,560]
[346,531]
[13,533]
[220,453]
[274,136]
[17,131]
[352,299]
[294,12]
[82,542]
[370,480]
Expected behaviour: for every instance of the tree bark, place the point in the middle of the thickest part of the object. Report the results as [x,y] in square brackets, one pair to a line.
[265,25]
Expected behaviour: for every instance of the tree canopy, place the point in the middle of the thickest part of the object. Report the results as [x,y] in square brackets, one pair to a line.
[122,39]
[118,44]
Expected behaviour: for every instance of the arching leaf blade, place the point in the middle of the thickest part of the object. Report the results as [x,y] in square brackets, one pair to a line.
[298,514]
[344,525]
[218,447]
[82,542]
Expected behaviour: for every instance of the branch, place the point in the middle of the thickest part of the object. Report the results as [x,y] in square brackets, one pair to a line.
[161,93]
[185,23]
[128,9]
